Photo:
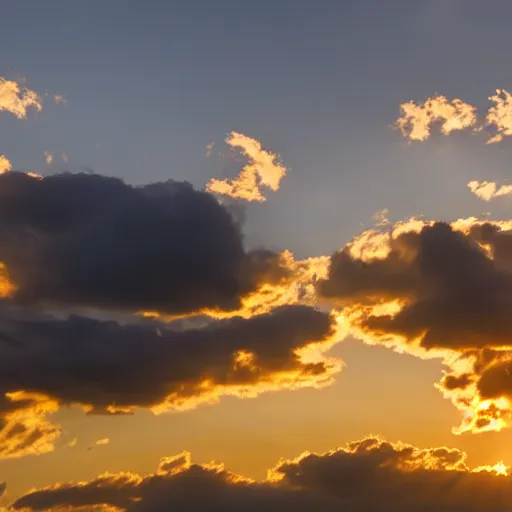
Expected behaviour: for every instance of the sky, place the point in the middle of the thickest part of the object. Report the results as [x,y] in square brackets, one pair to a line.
[327,293]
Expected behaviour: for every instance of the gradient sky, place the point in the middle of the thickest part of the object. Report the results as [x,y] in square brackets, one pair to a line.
[150,84]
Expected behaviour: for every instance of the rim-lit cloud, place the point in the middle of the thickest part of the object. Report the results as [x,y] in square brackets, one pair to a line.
[500,115]
[488,190]
[262,171]
[108,368]
[436,290]
[17,100]
[370,474]
[417,119]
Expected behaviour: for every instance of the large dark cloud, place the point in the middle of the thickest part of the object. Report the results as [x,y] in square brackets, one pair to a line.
[89,240]
[368,475]
[113,368]
[456,297]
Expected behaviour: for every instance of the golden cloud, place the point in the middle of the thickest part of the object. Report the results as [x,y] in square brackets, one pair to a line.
[262,171]
[487,190]
[17,99]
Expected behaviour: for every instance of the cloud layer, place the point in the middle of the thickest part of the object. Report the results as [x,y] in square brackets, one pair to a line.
[365,475]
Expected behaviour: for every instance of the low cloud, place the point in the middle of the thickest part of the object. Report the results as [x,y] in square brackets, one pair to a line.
[370,474]
[262,171]
[488,190]
[17,100]
[109,368]
[163,247]
[417,120]
[436,290]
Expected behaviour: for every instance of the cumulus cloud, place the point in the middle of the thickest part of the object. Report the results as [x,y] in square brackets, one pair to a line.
[262,171]
[17,99]
[435,290]
[416,120]
[370,474]
[487,190]
[5,165]
[499,115]
[89,240]
[109,368]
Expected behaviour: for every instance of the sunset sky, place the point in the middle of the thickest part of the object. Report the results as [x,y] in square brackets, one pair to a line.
[255,255]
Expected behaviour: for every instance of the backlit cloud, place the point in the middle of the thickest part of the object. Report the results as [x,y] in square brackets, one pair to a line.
[262,171]
[370,474]
[17,99]
[162,247]
[416,120]
[436,290]
[109,368]
[487,190]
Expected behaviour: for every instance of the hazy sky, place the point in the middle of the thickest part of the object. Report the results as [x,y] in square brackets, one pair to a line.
[149,85]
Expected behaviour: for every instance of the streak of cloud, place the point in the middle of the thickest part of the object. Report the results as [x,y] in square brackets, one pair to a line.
[488,190]
[262,171]
[416,120]
[17,100]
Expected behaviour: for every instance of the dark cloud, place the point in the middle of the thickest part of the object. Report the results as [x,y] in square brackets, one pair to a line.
[89,240]
[368,475]
[455,296]
[113,368]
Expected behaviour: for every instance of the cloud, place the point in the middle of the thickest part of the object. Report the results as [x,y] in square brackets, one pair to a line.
[5,165]
[48,156]
[487,190]
[93,241]
[416,120]
[500,115]
[381,217]
[436,290]
[60,99]
[16,99]
[102,442]
[370,474]
[108,368]
[209,149]
[263,170]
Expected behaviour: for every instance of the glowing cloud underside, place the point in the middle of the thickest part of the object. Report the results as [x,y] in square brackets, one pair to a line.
[488,190]
[417,119]
[17,99]
[369,474]
[262,171]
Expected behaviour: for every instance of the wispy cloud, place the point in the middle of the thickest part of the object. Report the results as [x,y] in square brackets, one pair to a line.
[60,99]
[416,120]
[48,156]
[262,171]
[17,99]
[102,442]
[487,190]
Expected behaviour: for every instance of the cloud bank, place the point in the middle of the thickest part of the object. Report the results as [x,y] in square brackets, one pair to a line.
[370,474]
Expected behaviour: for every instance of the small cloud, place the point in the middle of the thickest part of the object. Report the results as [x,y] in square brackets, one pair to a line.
[48,155]
[500,115]
[262,170]
[60,99]
[209,149]
[102,442]
[16,99]
[65,158]
[5,165]
[381,217]
[487,190]
[71,443]
[417,119]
